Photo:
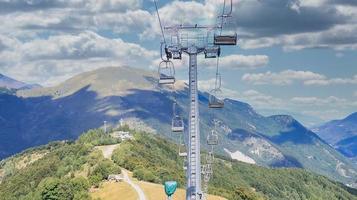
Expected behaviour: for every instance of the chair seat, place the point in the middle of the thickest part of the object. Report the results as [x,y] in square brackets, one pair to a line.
[225,39]
[167,80]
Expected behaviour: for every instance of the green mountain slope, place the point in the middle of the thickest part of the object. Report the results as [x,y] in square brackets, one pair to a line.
[35,117]
[66,170]
[232,179]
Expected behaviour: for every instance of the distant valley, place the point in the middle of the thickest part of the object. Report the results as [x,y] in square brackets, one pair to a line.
[342,135]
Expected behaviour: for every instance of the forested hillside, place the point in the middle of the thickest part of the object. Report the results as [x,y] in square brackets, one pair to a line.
[67,170]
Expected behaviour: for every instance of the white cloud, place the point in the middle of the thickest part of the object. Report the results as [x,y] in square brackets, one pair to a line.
[123,22]
[339,37]
[255,98]
[235,61]
[288,77]
[62,56]
[333,81]
[355,94]
[206,85]
[181,12]
[312,3]
[326,114]
[334,26]
[282,78]
[112,5]
[313,101]
[239,61]
[261,100]
[57,17]
[331,101]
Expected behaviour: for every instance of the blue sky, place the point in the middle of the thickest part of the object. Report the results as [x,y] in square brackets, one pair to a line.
[294,56]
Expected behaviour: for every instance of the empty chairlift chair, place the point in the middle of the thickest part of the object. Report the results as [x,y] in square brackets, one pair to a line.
[182,151]
[207,169]
[212,138]
[215,99]
[210,157]
[177,124]
[225,39]
[212,52]
[166,72]
[185,163]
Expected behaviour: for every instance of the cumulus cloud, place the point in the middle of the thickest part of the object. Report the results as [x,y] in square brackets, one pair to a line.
[63,56]
[321,108]
[297,24]
[253,97]
[7,6]
[181,12]
[278,17]
[238,61]
[34,18]
[235,61]
[292,24]
[282,78]
[261,100]
[331,101]
[112,5]
[288,77]
[206,85]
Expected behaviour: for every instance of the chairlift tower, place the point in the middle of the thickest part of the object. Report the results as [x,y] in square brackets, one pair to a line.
[193,46]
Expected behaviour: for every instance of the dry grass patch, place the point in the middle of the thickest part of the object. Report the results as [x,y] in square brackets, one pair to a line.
[115,191]
[156,192]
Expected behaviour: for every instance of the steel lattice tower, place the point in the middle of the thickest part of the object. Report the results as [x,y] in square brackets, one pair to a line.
[193,46]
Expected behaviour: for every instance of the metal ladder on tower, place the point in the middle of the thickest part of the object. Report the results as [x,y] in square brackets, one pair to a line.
[194,160]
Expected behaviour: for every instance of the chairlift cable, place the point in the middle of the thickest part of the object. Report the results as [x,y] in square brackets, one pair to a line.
[158,17]
[222,17]
[217,74]
[220,33]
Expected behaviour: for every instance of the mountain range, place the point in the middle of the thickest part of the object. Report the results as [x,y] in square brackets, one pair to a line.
[341,134]
[39,115]
[12,84]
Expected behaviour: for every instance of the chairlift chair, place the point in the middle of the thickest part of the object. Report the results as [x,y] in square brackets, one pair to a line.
[177,124]
[175,52]
[206,178]
[166,72]
[182,151]
[210,157]
[185,163]
[212,138]
[215,99]
[225,39]
[212,52]
[207,169]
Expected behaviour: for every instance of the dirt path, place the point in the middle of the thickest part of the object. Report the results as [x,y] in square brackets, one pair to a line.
[107,150]
[133,185]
